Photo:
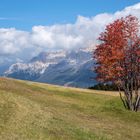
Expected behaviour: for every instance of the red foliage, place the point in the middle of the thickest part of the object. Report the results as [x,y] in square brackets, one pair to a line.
[118,58]
[118,50]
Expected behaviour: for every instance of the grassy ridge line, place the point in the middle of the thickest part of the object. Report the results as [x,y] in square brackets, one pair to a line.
[111,93]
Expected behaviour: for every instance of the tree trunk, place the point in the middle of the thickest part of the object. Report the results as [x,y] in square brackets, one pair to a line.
[129,101]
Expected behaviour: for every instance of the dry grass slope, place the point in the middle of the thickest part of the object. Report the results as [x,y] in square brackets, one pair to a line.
[34,111]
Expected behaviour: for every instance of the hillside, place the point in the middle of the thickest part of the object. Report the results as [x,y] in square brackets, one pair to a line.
[34,111]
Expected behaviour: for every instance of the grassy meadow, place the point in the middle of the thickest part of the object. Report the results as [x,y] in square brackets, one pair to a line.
[35,111]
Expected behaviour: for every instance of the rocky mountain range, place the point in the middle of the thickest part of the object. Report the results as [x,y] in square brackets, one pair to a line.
[68,68]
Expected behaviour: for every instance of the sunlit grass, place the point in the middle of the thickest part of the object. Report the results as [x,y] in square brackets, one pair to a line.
[34,111]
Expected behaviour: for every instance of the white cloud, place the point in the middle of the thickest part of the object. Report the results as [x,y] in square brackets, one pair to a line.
[12,41]
[82,33]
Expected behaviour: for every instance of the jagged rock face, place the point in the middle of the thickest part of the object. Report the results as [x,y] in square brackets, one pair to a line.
[29,71]
[71,68]
[68,74]
[35,67]
[49,57]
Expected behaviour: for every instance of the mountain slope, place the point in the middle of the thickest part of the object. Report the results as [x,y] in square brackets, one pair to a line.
[69,68]
[68,74]
[35,67]
[34,111]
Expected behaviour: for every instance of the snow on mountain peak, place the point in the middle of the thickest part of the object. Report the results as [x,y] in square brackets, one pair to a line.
[58,67]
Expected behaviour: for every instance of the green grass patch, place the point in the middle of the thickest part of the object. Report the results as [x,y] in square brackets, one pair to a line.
[34,111]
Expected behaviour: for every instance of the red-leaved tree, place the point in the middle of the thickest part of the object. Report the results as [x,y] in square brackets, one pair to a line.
[118,59]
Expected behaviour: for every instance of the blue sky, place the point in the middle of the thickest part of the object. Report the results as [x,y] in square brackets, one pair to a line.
[23,14]
[28,27]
